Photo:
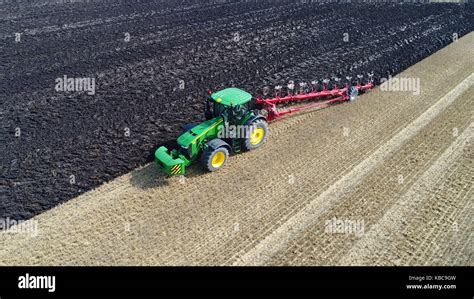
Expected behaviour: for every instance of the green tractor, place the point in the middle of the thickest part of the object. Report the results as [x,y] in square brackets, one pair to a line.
[230,127]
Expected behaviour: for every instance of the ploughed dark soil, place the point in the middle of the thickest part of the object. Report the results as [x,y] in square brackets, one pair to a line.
[56,145]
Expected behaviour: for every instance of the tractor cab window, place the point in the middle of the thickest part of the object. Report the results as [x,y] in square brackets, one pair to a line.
[218,109]
[208,113]
[213,109]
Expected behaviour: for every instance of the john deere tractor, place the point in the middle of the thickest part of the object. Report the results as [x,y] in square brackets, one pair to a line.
[230,127]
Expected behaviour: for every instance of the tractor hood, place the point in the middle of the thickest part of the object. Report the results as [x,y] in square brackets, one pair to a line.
[198,131]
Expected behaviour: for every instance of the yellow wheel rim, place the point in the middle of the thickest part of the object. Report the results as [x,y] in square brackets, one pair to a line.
[257,136]
[218,160]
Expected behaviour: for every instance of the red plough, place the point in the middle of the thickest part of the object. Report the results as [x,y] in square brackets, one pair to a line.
[333,96]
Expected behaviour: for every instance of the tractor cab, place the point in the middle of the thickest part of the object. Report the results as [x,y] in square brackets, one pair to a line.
[229,103]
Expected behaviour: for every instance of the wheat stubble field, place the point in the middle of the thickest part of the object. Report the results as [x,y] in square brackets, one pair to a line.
[401,163]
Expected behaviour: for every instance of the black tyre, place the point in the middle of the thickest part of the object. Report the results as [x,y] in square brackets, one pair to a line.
[352,92]
[257,135]
[214,159]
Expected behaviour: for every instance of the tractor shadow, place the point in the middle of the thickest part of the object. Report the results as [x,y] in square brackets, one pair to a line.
[147,177]
[151,176]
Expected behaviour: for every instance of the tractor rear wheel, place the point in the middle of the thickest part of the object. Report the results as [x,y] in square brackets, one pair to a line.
[257,136]
[214,159]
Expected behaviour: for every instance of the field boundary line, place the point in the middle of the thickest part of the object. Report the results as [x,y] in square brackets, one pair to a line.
[278,240]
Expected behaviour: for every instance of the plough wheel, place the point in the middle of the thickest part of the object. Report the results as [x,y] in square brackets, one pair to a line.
[352,92]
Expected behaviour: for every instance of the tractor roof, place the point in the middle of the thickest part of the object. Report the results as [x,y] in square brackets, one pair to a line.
[231,96]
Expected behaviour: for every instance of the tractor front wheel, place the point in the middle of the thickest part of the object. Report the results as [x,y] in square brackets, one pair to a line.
[215,159]
[257,135]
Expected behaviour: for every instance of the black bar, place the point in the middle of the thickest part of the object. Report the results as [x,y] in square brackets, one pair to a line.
[191,282]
